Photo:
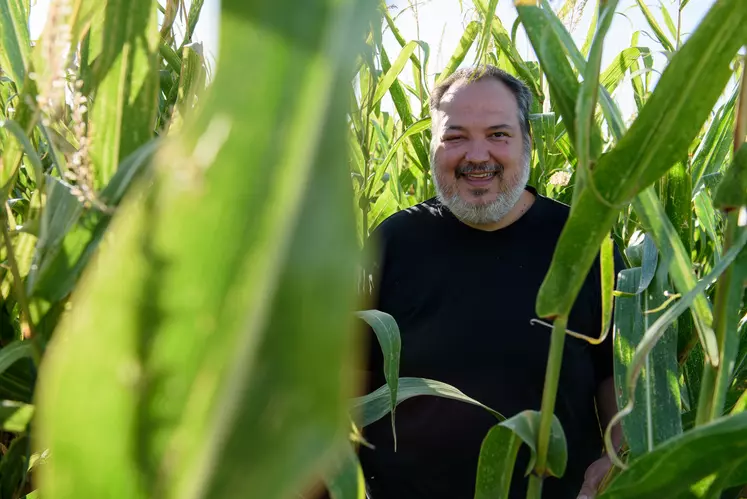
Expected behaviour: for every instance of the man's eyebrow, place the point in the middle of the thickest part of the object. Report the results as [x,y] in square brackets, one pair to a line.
[500,127]
[459,128]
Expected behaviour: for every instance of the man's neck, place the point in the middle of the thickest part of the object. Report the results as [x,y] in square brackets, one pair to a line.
[526,200]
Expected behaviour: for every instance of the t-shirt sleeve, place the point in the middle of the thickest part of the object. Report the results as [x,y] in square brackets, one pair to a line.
[603,354]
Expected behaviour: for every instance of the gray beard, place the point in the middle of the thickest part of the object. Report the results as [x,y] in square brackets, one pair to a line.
[481,214]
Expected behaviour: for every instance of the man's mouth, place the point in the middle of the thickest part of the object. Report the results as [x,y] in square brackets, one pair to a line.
[479,176]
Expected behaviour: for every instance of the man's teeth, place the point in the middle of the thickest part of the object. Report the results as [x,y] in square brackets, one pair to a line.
[481,175]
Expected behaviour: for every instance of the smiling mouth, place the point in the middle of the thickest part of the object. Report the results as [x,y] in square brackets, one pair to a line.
[478,176]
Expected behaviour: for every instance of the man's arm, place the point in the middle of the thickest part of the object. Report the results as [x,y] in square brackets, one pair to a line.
[607,408]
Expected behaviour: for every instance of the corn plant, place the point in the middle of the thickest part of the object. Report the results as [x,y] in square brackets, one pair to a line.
[178,264]
[654,189]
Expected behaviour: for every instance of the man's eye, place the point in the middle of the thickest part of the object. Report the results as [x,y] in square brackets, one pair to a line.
[451,139]
[499,134]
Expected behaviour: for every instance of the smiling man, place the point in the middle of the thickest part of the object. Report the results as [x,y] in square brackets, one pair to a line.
[460,274]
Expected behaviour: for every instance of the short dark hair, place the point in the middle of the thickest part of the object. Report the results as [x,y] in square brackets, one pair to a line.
[476,73]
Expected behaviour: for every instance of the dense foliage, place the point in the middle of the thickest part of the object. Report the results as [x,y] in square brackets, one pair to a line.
[176,264]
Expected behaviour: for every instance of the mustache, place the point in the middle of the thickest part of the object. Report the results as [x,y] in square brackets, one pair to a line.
[468,168]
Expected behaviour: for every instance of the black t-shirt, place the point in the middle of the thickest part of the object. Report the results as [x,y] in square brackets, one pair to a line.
[463,299]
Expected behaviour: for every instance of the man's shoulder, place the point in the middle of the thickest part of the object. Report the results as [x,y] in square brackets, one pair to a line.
[413,218]
[550,213]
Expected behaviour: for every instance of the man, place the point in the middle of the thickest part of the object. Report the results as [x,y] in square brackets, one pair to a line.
[460,274]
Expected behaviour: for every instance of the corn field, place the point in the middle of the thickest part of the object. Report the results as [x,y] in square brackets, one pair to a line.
[180,246]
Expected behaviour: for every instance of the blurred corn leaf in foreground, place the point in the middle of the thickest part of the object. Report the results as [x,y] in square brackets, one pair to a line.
[203,384]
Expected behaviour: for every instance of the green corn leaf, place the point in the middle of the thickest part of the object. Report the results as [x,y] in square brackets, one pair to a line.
[661,134]
[345,480]
[654,218]
[651,20]
[381,169]
[199,346]
[171,57]
[58,264]
[20,135]
[674,469]
[649,264]
[374,406]
[669,22]
[14,40]
[396,32]
[706,215]
[709,153]
[62,211]
[607,277]
[387,332]
[503,41]
[13,467]
[393,72]
[732,190]
[488,16]
[586,102]
[656,412]
[191,84]
[195,7]
[13,352]
[636,80]
[657,330]
[402,104]
[564,86]
[675,194]
[465,44]
[615,72]
[126,83]
[592,29]
[526,425]
[15,416]
[496,463]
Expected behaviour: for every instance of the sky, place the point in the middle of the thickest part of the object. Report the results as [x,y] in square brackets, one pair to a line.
[440,24]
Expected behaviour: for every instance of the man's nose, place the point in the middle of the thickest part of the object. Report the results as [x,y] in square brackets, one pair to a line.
[477,152]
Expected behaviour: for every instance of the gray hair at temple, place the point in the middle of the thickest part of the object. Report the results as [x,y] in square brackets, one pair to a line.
[520,91]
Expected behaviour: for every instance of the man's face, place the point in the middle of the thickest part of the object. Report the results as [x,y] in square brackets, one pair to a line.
[479,164]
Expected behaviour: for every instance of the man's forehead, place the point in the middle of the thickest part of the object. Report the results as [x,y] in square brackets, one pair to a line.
[484,89]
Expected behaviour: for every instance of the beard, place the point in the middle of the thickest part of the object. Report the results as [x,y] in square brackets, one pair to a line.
[509,192]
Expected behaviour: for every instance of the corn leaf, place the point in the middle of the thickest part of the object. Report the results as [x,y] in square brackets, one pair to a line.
[675,467]
[706,215]
[126,82]
[488,15]
[14,40]
[393,72]
[15,416]
[465,44]
[503,40]
[345,481]
[194,294]
[586,102]
[59,263]
[716,143]
[13,352]
[654,218]
[564,86]
[495,465]
[669,22]
[661,134]
[374,406]
[656,412]
[732,190]
[387,333]
[615,72]
[651,20]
